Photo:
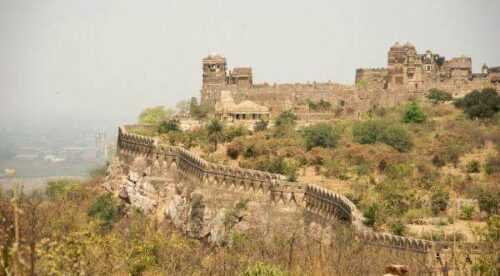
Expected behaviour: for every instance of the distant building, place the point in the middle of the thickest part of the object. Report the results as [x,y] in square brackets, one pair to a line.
[226,109]
[408,74]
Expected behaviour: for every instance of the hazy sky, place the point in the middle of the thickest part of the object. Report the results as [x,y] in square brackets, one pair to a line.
[99,62]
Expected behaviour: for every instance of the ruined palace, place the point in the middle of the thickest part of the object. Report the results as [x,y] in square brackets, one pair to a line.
[407,75]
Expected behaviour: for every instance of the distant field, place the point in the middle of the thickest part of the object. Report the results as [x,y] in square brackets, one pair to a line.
[30,184]
[39,168]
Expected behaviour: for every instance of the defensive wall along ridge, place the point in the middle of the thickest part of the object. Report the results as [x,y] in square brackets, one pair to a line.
[319,201]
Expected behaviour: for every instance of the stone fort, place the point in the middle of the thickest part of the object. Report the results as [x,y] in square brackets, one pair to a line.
[407,75]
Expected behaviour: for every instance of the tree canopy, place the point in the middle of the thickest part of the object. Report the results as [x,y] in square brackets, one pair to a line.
[155,115]
[414,114]
[480,104]
[437,95]
[320,135]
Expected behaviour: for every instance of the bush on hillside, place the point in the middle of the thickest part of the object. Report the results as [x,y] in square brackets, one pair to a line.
[261,125]
[372,131]
[488,199]
[320,135]
[480,104]
[414,114]
[286,118]
[234,149]
[368,132]
[198,111]
[398,228]
[397,137]
[437,95]
[169,126]
[473,166]
[61,188]
[232,132]
[155,115]
[322,105]
[492,164]
[439,201]
[105,209]
[370,215]
[262,269]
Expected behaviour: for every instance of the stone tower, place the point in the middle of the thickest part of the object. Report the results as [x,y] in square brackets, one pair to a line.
[214,78]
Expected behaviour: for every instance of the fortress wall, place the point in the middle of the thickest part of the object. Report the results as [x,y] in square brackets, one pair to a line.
[460,87]
[325,203]
[345,100]
[372,77]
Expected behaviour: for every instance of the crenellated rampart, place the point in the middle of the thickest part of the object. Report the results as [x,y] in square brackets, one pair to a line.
[317,200]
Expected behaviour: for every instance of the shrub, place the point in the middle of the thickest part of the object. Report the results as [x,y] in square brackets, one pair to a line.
[168,126]
[488,199]
[396,196]
[414,114]
[398,228]
[335,168]
[261,125]
[492,164]
[439,201]
[480,104]
[438,161]
[234,149]
[367,132]
[370,132]
[473,166]
[466,212]
[61,188]
[234,131]
[105,209]
[397,137]
[250,151]
[322,105]
[320,135]
[262,269]
[284,124]
[155,115]
[287,118]
[370,215]
[437,95]
[196,110]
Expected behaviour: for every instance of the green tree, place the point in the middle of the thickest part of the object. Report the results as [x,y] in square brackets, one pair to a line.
[480,104]
[155,115]
[414,114]
[320,135]
[105,209]
[286,118]
[368,132]
[397,137]
[439,201]
[232,132]
[215,129]
[436,95]
[370,215]
[285,124]
[169,126]
[198,111]
[372,131]
[261,125]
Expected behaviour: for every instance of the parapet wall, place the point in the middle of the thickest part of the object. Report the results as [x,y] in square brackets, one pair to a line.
[320,201]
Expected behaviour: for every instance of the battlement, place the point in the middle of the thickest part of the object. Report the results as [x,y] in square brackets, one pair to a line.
[320,201]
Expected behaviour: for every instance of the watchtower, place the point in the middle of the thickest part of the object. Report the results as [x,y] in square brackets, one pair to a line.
[214,71]
[214,78]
